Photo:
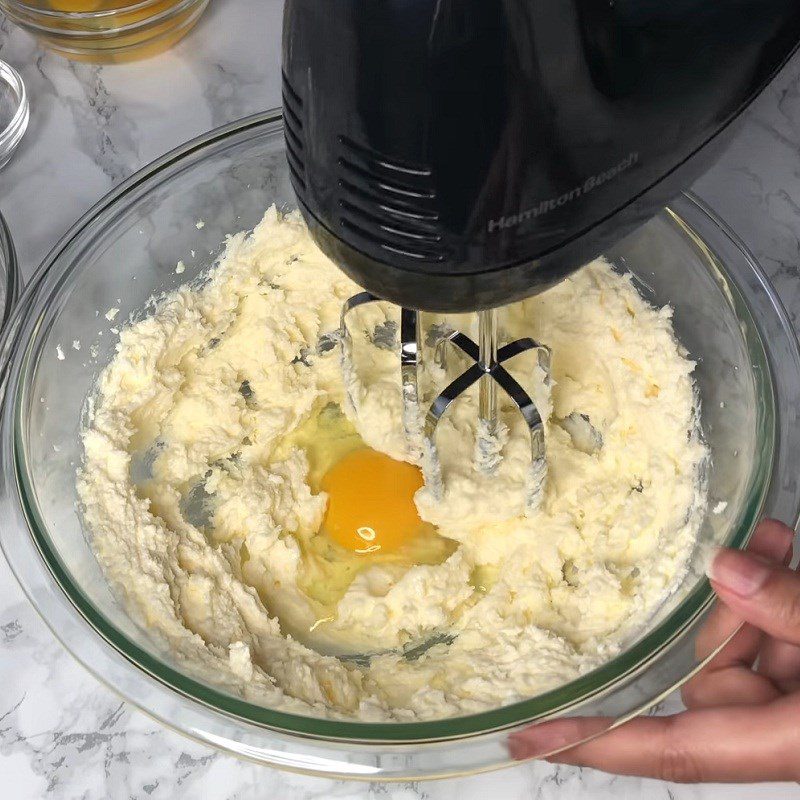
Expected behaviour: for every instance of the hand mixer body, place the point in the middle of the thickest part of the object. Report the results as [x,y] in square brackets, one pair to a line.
[454,155]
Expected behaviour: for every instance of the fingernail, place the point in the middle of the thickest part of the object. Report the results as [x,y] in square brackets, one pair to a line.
[738,572]
[533,742]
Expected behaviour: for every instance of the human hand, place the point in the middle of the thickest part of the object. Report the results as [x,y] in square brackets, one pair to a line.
[743,718]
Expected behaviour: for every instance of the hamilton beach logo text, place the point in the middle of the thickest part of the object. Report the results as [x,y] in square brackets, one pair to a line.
[545,206]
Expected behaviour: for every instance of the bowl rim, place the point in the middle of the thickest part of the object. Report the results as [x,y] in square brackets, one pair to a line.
[348,731]
[8,258]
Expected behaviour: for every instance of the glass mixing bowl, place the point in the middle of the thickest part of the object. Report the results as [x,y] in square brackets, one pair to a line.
[126,249]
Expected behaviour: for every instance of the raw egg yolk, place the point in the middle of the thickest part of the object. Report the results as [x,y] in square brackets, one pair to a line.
[371,502]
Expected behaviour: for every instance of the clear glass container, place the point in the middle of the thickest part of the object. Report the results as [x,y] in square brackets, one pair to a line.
[106,31]
[126,248]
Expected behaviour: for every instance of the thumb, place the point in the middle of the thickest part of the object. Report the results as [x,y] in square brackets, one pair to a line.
[715,744]
[760,592]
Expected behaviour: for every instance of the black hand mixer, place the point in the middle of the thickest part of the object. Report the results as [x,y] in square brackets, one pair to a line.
[458,155]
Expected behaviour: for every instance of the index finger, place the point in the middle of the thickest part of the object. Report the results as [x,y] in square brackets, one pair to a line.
[771,540]
[729,678]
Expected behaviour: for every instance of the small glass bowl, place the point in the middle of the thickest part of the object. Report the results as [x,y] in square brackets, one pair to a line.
[14,111]
[106,31]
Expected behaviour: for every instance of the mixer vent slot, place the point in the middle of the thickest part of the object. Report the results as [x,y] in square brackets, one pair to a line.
[382,162]
[389,204]
[415,253]
[390,226]
[294,135]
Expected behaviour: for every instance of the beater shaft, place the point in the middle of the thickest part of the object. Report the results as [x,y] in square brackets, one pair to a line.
[487,360]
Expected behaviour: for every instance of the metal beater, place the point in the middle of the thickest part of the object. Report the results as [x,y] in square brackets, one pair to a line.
[487,370]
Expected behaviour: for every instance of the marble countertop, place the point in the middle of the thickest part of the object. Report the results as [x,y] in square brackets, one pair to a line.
[62,734]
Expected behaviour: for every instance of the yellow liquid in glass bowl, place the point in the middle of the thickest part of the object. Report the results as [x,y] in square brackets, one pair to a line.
[106,31]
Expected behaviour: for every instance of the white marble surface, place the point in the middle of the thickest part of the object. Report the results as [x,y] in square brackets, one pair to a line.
[63,735]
